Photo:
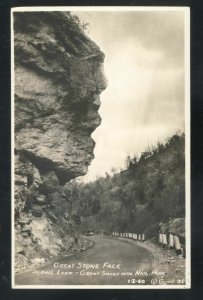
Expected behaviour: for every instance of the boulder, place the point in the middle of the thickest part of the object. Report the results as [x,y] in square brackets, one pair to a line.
[37,211]
[25,234]
[26,228]
[24,221]
[50,181]
[41,199]
[20,250]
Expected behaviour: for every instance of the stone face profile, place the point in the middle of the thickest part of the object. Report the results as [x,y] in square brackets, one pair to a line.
[58,79]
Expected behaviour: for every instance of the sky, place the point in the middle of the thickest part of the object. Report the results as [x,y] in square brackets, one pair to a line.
[144,100]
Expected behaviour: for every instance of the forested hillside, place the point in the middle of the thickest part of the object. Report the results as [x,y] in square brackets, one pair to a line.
[150,190]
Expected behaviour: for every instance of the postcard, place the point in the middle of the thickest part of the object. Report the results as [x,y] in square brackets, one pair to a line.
[100,147]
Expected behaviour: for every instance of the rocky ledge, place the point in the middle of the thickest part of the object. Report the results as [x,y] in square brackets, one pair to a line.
[58,80]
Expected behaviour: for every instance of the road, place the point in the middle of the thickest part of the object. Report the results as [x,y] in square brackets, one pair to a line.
[110,261]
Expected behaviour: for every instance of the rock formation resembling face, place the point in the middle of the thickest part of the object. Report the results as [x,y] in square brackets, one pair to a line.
[58,79]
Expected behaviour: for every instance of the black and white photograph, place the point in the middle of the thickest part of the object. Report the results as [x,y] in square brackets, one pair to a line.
[100,147]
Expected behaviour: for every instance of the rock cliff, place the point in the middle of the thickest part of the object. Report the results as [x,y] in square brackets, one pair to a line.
[58,79]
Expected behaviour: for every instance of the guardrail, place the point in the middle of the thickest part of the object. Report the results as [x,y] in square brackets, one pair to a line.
[129,235]
[171,241]
[167,241]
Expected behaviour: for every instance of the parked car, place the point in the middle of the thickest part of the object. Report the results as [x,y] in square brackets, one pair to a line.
[89,232]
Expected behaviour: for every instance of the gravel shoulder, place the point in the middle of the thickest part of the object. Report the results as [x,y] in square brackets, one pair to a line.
[164,261]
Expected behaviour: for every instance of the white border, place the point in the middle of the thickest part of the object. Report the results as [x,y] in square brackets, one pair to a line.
[186,10]
[12,154]
[187,150]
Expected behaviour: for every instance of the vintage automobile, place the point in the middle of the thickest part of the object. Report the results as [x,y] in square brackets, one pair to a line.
[89,232]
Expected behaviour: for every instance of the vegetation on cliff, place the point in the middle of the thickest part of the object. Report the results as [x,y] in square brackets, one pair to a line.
[150,190]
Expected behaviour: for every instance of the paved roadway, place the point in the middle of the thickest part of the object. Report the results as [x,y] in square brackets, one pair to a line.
[109,262]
